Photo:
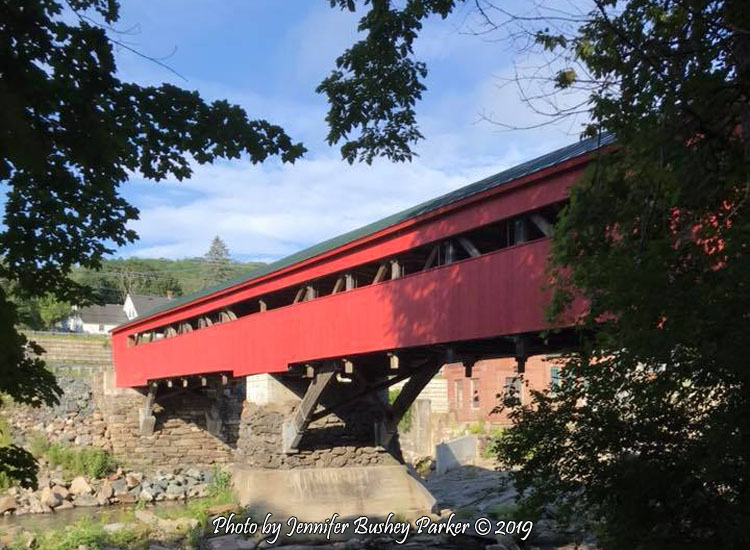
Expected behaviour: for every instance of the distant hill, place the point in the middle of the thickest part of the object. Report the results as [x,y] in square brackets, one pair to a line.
[156,276]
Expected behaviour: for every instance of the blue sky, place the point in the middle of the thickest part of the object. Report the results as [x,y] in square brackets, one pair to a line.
[268,56]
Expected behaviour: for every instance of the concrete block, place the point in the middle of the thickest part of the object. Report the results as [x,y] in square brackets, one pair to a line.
[146,425]
[455,453]
[313,494]
[266,389]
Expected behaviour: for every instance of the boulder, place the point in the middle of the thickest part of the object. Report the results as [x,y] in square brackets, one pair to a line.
[146,516]
[79,486]
[50,498]
[127,498]
[65,505]
[85,500]
[146,495]
[133,479]
[7,504]
[106,491]
[119,487]
[61,491]
[175,491]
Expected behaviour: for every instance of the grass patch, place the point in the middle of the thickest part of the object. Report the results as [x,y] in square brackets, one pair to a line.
[80,461]
[476,428]
[90,534]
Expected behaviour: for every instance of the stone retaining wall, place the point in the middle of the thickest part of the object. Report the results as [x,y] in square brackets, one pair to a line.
[346,438]
[73,349]
[180,437]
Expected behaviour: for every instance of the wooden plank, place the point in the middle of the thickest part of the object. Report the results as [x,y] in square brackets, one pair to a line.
[472,250]
[299,295]
[432,257]
[450,252]
[380,275]
[338,285]
[541,222]
[294,427]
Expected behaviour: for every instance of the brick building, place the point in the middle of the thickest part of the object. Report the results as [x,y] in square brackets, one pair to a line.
[472,399]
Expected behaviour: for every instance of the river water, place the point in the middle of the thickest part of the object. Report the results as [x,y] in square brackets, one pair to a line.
[59,520]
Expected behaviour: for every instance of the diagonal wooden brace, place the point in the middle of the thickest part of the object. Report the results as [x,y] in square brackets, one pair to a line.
[294,427]
[384,431]
[146,419]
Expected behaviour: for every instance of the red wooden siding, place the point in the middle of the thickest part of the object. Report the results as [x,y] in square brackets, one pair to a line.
[495,294]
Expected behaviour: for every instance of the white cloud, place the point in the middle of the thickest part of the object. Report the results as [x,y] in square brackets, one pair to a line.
[268,211]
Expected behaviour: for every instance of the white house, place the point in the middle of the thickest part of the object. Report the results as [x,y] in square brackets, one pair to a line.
[102,319]
[94,319]
[140,304]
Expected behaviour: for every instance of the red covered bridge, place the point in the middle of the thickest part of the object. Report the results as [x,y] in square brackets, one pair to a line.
[461,275]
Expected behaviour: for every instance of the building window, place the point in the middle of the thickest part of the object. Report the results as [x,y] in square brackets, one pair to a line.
[458,390]
[101,328]
[475,393]
[554,379]
[512,391]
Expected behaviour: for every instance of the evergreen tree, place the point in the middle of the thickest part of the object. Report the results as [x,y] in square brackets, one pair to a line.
[217,265]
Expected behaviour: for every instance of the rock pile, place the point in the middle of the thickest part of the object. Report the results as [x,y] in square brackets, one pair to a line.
[126,487]
[74,420]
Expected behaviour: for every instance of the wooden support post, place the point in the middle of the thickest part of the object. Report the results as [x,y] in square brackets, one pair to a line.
[520,231]
[468,367]
[522,352]
[146,419]
[393,361]
[170,383]
[384,431]
[309,371]
[450,252]
[542,224]
[204,382]
[310,293]
[350,281]
[395,269]
[472,250]
[205,321]
[294,427]
[262,306]
[348,366]
[226,315]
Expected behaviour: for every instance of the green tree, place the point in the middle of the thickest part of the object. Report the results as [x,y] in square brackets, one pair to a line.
[217,265]
[52,310]
[647,440]
[60,94]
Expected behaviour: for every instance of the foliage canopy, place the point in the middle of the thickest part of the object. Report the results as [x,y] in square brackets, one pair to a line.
[60,94]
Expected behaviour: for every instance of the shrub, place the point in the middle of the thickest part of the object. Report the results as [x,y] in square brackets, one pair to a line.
[38,445]
[85,461]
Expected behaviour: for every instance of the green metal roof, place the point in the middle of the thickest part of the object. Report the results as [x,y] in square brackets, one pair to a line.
[506,176]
